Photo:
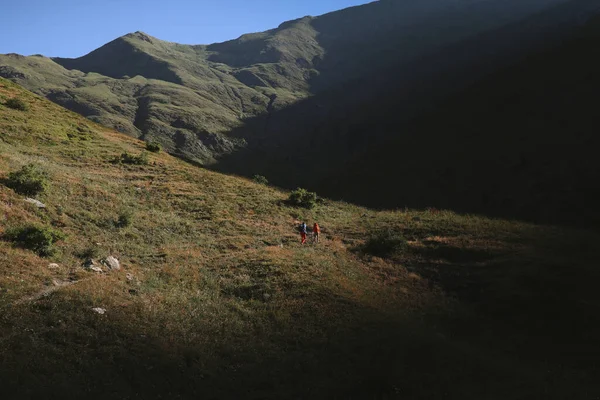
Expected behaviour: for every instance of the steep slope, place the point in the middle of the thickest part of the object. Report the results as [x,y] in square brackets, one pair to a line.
[216,298]
[190,97]
[520,143]
[376,154]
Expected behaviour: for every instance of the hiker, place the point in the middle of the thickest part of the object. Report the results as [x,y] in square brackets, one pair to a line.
[316,232]
[303,232]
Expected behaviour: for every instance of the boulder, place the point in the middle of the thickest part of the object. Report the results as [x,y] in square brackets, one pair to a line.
[111,263]
[53,266]
[35,202]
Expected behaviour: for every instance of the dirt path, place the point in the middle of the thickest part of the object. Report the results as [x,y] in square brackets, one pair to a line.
[56,285]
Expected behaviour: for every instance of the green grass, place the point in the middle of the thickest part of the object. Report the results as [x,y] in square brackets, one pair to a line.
[215,288]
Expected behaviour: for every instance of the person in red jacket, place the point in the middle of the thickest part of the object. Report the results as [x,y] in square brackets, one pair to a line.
[316,232]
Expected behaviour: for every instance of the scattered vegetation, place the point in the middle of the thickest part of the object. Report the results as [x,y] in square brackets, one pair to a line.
[30,180]
[217,288]
[128,158]
[88,252]
[125,219]
[260,180]
[36,238]
[16,104]
[303,198]
[385,243]
[153,147]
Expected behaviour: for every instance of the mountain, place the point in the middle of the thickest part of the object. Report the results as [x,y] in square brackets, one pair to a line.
[330,102]
[216,298]
[190,98]
[520,143]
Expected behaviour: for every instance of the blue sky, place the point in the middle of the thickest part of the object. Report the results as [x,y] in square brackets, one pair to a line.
[72,28]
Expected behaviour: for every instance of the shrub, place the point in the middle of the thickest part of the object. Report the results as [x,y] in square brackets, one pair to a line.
[153,147]
[385,243]
[36,238]
[260,180]
[17,104]
[126,158]
[303,198]
[29,180]
[125,219]
[89,252]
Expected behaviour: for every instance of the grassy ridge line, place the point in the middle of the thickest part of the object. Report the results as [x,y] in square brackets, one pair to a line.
[467,310]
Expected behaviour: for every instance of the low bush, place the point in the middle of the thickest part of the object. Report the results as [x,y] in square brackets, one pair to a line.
[260,180]
[125,219]
[126,158]
[89,252]
[30,180]
[385,243]
[39,239]
[153,147]
[303,198]
[17,104]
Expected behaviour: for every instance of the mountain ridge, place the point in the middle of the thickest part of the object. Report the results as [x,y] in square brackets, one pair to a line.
[226,83]
[335,87]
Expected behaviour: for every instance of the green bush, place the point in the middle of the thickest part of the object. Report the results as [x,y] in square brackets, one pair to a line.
[30,180]
[89,252]
[17,104]
[153,147]
[385,243]
[126,158]
[260,180]
[36,238]
[303,198]
[125,219]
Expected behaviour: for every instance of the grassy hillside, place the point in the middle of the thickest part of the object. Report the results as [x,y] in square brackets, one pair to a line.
[216,298]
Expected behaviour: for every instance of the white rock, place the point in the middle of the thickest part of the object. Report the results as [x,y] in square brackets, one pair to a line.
[35,202]
[129,277]
[96,269]
[112,263]
[53,266]
[99,310]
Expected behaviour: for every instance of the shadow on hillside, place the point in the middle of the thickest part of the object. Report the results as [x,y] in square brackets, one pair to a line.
[363,361]
[530,332]
[398,139]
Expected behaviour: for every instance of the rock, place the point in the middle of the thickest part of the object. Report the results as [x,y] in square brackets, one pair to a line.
[99,310]
[111,263]
[129,277]
[89,263]
[97,269]
[53,266]
[35,202]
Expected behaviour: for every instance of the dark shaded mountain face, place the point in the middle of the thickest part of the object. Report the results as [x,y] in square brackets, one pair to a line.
[520,143]
[314,101]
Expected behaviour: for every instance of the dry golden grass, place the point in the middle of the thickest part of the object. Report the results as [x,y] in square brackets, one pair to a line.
[218,299]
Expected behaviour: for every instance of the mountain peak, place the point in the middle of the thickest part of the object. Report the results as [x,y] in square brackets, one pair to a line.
[141,36]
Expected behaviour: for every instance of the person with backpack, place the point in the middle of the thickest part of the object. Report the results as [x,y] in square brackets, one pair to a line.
[316,232]
[303,231]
